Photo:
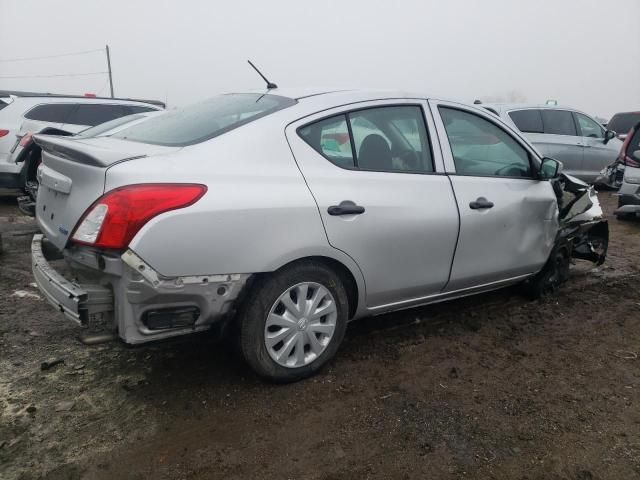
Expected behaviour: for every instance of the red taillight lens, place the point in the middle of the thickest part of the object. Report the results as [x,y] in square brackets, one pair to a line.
[4,133]
[115,218]
[24,141]
[631,162]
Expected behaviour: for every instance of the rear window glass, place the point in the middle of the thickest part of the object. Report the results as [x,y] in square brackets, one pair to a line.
[55,112]
[558,122]
[106,126]
[3,103]
[95,114]
[204,120]
[527,121]
[623,122]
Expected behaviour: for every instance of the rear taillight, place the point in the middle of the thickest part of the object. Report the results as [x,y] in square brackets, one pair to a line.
[115,218]
[4,133]
[26,138]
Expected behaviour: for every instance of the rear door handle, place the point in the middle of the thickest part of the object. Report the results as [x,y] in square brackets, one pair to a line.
[480,203]
[346,207]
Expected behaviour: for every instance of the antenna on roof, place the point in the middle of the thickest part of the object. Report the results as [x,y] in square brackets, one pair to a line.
[270,85]
[477,102]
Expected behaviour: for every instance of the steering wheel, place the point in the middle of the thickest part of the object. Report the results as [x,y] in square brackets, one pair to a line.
[511,170]
[410,159]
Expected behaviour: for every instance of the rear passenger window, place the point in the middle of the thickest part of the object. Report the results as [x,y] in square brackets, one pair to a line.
[330,137]
[95,114]
[55,112]
[527,121]
[481,148]
[391,139]
[384,139]
[558,122]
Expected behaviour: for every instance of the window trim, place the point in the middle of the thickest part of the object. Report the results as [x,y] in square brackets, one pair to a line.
[346,114]
[528,151]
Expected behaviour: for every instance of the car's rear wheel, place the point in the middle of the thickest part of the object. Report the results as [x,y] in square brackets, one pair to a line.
[292,322]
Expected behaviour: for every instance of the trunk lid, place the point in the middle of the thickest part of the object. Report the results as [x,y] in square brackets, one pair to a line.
[72,177]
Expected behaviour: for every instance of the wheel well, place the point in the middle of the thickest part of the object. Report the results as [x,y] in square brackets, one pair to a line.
[345,275]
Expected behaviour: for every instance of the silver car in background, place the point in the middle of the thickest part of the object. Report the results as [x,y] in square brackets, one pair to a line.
[582,144]
[280,216]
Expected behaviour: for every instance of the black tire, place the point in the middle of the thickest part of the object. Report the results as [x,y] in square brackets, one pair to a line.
[553,274]
[256,306]
[624,217]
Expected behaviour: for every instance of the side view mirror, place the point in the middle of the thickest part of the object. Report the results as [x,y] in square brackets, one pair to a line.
[549,168]
[608,135]
[636,154]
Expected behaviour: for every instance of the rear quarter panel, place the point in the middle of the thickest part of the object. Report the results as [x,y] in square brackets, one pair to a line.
[256,216]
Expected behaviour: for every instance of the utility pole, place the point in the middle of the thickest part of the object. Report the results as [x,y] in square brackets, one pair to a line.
[109,68]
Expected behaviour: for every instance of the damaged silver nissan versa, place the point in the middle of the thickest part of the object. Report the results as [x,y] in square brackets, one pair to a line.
[279,216]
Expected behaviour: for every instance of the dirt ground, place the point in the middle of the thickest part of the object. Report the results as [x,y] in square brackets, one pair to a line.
[492,386]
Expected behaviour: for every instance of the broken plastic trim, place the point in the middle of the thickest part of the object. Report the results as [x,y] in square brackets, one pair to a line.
[583,229]
[149,274]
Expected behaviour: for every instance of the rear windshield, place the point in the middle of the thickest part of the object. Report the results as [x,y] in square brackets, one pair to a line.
[623,122]
[4,103]
[106,126]
[204,120]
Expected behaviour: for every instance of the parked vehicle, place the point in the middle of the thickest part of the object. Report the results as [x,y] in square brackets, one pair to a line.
[629,193]
[621,123]
[23,114]
[282,215]
[30,155]
[582,145]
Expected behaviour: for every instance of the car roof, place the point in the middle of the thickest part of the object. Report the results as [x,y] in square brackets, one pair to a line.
[340,94]
[15,93]
[626,113]
[504,107]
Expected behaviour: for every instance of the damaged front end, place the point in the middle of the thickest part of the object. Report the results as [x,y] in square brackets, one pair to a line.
[584,232]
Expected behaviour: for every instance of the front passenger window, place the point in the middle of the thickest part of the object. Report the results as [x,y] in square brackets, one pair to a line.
[481,148]
[588,127]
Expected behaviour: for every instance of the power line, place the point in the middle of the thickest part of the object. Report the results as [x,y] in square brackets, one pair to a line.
[57,75]
[24,59]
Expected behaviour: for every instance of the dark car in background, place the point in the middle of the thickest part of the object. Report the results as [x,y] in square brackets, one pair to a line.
[622,122]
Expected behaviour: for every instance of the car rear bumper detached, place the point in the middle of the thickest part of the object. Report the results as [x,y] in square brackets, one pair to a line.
[143,305]
[76,302]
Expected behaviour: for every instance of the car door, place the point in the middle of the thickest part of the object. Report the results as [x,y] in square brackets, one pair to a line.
[381,194]
[562,140]
[508,218]
[597,154]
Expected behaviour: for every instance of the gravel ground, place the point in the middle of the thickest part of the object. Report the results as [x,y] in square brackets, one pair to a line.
[492,386]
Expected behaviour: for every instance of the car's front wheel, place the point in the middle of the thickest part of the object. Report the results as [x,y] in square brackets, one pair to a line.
[293,321]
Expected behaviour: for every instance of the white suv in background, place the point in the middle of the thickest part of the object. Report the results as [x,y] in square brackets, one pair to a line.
[23,114]
[582,145]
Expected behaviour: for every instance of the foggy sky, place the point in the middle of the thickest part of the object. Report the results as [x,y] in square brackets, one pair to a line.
[584,53]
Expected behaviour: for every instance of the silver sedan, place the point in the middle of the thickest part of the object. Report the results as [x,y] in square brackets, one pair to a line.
[280,216]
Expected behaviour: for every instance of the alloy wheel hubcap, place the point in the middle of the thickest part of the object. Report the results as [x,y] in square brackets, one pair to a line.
[300,324]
